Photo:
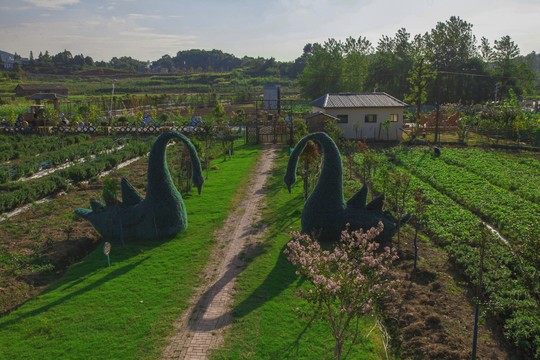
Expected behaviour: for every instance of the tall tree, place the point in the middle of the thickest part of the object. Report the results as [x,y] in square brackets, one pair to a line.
[505,53]
[452,45]
[392,62]
[421,74]
[323,70]
[356,59]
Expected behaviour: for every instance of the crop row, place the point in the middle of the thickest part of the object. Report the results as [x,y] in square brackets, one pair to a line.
[55,158]
[521,176]
[458,230]
[52,184]
[21,147]
[513,216]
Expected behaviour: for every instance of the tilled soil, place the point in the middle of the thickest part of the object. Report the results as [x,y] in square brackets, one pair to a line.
[431,314]
[38,245]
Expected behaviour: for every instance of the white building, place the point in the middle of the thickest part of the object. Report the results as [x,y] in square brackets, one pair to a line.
[362,115]
[271,97]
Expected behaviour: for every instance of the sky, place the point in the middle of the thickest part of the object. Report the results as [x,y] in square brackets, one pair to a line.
[147,30]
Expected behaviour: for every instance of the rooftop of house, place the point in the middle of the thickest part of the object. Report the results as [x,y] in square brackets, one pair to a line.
[347,100]
[42,86]
[319,113]
[47,96]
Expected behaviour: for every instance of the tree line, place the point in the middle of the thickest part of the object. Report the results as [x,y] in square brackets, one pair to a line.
[445,65]
[187,61]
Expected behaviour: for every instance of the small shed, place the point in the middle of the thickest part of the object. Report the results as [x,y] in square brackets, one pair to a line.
[315,122]
[375,116]
[53,98]
[272,97]
[31,89]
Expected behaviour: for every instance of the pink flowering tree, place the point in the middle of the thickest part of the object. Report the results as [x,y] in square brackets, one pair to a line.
[346,281]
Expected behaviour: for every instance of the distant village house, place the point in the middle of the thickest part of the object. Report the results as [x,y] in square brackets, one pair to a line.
[362,115]
[31,89]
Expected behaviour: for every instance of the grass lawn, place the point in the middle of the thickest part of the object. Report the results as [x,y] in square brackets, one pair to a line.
[126,310]
[267,324]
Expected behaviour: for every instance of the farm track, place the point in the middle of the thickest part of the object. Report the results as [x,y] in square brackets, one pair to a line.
[202,327]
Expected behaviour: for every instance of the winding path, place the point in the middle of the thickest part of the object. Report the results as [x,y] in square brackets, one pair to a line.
[201,328]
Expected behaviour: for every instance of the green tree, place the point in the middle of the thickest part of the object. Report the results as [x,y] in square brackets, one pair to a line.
[452,46]
[420,76]
[356,55]
[511,72]
[391,64]
[323,70]
[219,111]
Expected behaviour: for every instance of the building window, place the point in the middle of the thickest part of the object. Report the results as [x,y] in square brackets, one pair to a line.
[394,117]
[343,119]
[371,118]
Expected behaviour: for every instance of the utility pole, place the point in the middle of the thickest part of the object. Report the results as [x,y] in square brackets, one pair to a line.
[112,97]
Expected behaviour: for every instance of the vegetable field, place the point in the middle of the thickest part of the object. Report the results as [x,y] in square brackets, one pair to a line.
[463,191]
[68,159]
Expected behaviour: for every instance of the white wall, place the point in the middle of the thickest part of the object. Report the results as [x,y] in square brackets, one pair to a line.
[373,131]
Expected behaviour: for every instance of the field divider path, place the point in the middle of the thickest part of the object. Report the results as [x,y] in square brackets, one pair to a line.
[201,328]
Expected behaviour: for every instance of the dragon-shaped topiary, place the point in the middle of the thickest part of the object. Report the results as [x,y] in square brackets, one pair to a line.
[325,213]
[161,214]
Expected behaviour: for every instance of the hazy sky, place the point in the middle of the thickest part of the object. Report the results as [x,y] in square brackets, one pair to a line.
[146,30]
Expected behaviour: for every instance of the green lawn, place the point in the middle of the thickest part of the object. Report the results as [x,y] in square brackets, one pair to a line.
[126,311]
[267,324]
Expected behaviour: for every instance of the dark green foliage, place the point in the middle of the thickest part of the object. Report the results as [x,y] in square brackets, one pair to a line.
[161,214]
[325,214]
[33,192]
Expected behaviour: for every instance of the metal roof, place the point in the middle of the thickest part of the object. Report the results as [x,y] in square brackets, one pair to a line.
[46,96]
[42,87]
[368,100]
[318,113]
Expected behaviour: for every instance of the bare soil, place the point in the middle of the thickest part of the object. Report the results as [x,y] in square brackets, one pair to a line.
[431,314]
[38,245]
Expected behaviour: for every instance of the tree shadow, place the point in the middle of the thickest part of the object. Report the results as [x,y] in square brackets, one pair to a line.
[280,278]
[201,316]
[21,315]
[295,345]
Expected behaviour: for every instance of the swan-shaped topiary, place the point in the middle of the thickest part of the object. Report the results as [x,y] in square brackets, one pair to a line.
[325,213]
[161,214]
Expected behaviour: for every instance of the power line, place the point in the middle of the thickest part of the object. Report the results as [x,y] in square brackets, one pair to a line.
[484,75]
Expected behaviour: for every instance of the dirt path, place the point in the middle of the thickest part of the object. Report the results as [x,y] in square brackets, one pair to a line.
[201,329]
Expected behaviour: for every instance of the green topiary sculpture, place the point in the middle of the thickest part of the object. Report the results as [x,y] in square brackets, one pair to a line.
[161,214]
[325,213]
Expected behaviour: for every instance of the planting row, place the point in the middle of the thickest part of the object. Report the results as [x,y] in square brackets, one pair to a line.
[22,147]
[521,176]
[52,159]
[509,213]
[23,193]
[507,293]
